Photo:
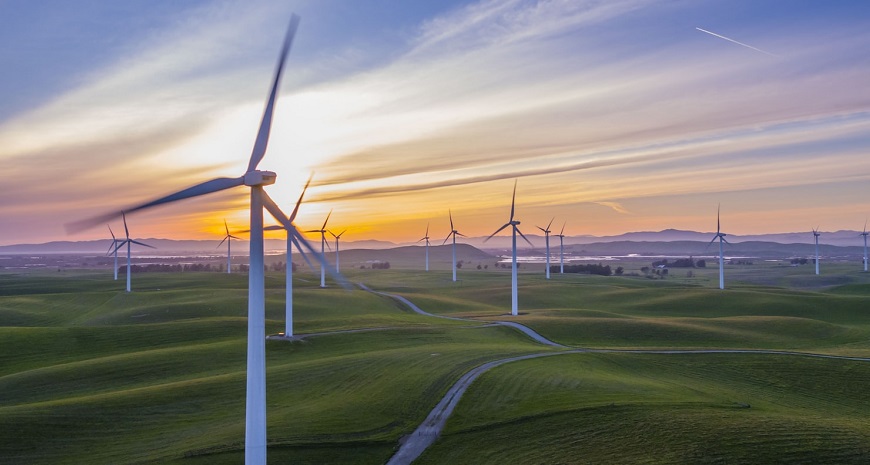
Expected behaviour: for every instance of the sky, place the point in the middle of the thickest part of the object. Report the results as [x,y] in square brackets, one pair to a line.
[611,116]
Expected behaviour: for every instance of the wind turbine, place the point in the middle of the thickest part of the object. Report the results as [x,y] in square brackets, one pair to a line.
[255,402]
[865,244]
[547,238]
[816,235]
[293,237]
[128,242]
[227,239]
[337,237]
[454,233]
[561,237]
[426,238]
[114,252]
[721,236]
[513,224]
[323,246]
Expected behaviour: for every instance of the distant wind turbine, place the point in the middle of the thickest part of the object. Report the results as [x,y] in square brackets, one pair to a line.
[721,236]
[337,237]
[426,238]
[113,249]
[454,233]
[128,242]
[547,238]
[323,246]
[227,238]
[255,402]
[562,249]
[513,224]
[293,237]
[816,235]
[865,244]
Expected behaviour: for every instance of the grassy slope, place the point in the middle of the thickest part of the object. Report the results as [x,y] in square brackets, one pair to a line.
[91,374]
[619,408]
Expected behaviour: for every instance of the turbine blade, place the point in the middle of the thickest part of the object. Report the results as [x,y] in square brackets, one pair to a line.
[222,241]
[524,237]
[325,242]
[513,200]
[299,202]
[724,240]
[301,251]
[126,231]
[266,123]
[327,220]
[460,234]
[563,228]
[711,241]
[542,229]
[550,223]
[496,232]
[427,229]
[142,244]
[234,237]
[448,238]
[340,234]
[226,227]
[207,187]
[120,244]
[717,217]
[114,238]
[332,233]
[450,213]
[274,210]
[273,228]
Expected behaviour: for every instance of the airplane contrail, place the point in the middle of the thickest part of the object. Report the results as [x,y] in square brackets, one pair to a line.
[736,42]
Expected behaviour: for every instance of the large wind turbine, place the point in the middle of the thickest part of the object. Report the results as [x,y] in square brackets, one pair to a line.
[128,242]
[454,233]
[721,236]
[255,402]
[426,238]
[323,245]
[337,237]
[547,238]
[513,224]
[865,244]
[561,237]
[113,249]
[227,239]
[816,235]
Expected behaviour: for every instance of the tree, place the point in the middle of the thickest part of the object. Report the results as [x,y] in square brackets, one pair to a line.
[619,270]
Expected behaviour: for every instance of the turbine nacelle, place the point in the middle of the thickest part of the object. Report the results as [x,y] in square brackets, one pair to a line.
[260,178]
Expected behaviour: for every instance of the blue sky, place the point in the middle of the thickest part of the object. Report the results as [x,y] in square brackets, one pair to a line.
[615,116]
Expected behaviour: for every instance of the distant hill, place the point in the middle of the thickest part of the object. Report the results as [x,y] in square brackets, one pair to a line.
[669,241]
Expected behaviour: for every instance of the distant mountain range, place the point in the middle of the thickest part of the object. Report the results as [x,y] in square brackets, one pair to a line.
[669,241]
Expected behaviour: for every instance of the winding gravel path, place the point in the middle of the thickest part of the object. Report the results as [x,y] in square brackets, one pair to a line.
[411,447]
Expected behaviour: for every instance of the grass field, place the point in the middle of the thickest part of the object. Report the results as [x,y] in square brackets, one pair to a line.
[90,374]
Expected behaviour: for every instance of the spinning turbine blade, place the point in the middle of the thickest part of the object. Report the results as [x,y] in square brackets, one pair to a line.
[524,237]
[513,200]
[299,202]
[496,232]
[266,123]
[207,187]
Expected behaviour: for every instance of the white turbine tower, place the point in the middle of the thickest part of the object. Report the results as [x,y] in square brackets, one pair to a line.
[816,235]
[513,224]
[721,236]
[323,246]
[426,238]
[255,402]
[128,242]
[454,233]
[227,239]
[337,237]
[547,238]
[561,237]
[865,244]
[113,249]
